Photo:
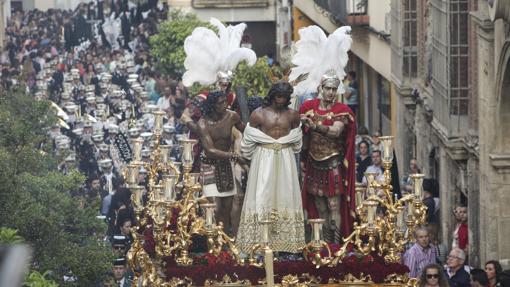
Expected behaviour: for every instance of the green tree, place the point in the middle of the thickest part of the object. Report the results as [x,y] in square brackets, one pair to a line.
[168,44]
[36,198]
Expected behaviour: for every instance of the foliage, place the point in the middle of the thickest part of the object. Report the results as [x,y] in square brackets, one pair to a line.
[36,279]
[255,79]
[9,236]
[36,198]
[168,47]
[168,44]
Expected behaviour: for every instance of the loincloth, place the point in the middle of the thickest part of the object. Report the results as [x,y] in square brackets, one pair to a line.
[218,172]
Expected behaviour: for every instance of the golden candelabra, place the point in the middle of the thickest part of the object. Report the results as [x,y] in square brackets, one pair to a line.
[171,214]
[174,211]
[385,223]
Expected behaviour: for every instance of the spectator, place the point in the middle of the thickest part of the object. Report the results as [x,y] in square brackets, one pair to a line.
[433,276]
[457,275]
[363,135]
[441,248]
[493,270]
[460,234]
[363,160]
[376,166]
[479,278]
[376,142]
[420,254]
[351,93]
[120,273]
[429,202]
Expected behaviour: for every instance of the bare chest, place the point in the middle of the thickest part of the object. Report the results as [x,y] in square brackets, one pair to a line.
[276,125]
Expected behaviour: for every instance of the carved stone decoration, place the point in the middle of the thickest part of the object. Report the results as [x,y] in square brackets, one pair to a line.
[499,9]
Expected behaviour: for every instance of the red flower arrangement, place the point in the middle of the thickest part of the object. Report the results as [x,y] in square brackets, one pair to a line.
[210,267]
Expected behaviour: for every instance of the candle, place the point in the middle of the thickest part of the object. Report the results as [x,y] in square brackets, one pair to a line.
[187,151]
[132,174]
[371,208]
[209,214]
[165,151]
[169,187]
[387,142]
[410,211]
[156,192]
[209,217]
[360,190]
[370,176]
[158,121]
[418,184]
[137,149]
[137,196]
[400,217]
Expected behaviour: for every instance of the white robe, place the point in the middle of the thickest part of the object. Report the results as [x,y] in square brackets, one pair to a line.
[273,191]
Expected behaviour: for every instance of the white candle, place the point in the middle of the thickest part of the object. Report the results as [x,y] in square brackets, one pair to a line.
[209,212]
[165,150]
[418,185]
[156,191]
[158,121]
[410,211]
[137,149]
[169,187]
[132,174]
[400,218]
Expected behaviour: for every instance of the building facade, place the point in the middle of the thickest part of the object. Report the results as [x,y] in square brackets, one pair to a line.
[449,70]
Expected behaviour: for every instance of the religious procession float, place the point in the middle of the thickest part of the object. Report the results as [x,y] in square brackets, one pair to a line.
[178,242]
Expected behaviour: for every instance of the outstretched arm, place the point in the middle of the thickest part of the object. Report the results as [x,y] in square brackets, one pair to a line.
[188,121]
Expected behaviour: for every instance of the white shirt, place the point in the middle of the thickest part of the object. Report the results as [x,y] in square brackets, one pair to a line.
[163,103]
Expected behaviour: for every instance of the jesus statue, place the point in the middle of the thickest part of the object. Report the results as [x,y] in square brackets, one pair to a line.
[271,139]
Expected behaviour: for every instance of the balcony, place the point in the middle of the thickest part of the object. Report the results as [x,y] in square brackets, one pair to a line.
[346,12]
[197,4]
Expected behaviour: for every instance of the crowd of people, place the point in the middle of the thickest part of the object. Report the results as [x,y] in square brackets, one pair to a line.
[94,64]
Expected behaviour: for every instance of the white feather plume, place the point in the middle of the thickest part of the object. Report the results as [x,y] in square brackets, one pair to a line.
[318,53]
[207,53]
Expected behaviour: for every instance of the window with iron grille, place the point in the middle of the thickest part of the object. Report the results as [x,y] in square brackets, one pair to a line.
[409,36]
[459,57]
[450,62]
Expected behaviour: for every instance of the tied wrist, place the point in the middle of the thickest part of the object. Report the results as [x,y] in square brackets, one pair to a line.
[234,157]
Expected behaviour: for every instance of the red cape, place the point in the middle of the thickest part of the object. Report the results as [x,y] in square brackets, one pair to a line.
[348,172]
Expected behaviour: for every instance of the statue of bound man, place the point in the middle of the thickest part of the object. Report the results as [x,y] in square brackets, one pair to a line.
[218,158]
[271,139]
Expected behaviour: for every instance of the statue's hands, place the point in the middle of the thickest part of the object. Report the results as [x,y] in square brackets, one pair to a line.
[307,122]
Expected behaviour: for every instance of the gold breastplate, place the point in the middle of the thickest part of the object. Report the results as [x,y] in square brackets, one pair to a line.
[322,147]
